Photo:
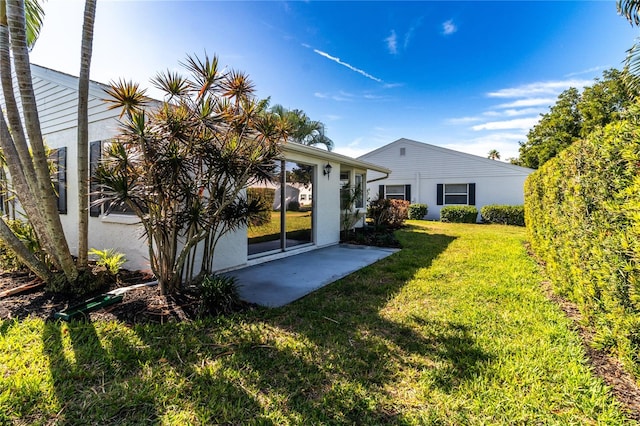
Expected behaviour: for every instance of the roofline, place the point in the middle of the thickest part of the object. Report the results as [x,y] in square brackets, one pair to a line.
[332,156]
[450,151]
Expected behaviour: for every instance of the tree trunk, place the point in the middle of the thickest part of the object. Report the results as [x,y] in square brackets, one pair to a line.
[83,133]
[42,190]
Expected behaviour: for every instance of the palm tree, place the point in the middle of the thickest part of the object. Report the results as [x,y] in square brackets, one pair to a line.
[630,9]
[189,195]
[27,161]
[83,133]
[303,130]
[494,155]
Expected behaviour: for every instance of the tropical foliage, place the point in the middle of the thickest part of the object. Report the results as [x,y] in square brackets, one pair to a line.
[583,218]
[183,165]
[576,115]
[303,129]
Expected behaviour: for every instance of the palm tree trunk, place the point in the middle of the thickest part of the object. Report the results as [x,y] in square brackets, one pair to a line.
[43,190]
[83,133]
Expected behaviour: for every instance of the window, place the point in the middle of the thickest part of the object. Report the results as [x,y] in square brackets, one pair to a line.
[59,159]
[456,193]
[395,192]
[403,152]
[95,154]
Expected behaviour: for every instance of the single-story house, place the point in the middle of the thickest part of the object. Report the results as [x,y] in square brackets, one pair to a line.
[436,176]
[56,97]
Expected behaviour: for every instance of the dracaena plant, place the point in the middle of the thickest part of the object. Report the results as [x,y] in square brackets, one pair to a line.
[182,164]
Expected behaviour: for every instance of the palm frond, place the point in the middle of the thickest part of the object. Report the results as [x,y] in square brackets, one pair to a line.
[630,9]
[205,72]
[171,83]
[127,95]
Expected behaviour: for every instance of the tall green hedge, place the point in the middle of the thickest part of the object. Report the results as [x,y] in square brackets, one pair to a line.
[582,211]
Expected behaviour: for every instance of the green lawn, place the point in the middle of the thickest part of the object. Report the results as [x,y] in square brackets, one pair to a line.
[451,330]
[298,226]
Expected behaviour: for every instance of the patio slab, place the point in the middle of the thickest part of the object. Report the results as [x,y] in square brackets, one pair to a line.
[279,282]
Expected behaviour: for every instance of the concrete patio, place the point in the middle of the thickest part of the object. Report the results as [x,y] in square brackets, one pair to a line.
[279,282]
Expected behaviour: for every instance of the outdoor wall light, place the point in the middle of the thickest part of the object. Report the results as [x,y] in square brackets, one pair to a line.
[327,170]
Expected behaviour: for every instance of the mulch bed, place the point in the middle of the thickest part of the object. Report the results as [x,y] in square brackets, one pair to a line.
[140,305]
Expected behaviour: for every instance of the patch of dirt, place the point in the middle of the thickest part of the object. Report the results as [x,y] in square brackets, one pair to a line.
[140,305]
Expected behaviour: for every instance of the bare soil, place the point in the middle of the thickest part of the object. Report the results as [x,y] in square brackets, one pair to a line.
[140,305]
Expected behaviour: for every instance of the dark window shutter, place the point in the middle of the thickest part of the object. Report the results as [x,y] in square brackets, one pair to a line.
[380,192]
[472,194]
[440,196]
[407,193]
[95,152]
[61,184]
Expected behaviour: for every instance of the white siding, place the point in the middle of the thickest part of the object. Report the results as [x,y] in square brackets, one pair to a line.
[423,166]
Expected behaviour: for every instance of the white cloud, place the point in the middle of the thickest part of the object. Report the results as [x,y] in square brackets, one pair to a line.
[448,27]
[518,123]
[505,143]
[463,120]
[351,67]
[333,117]
[529,102]
[409,34]
[351,151]
[538,88]
[392,43]
[588,71]
[512,112]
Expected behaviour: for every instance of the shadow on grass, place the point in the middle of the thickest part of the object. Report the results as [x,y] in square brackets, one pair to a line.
[334,357]
[359,351]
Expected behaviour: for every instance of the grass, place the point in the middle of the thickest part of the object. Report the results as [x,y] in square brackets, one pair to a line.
[298,227]
[451,330]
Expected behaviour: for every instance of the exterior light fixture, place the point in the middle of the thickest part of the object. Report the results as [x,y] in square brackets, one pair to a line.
[327,170]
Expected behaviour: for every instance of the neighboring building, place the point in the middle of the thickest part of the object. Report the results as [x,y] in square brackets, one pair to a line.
[428,174]
[56,96]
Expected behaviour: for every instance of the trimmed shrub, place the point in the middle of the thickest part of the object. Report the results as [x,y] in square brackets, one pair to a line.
[293,206]
[459,214]
[582,210]
[266,197]
[386,213]
[503,214]
[417,211]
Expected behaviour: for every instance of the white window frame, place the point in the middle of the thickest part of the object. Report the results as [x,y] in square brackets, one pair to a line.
[445,194]
[388,194]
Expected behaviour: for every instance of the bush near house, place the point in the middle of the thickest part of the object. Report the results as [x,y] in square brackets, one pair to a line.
[503,214]
[459,214]
[387,213]
[266,196]
[583,216]
[417,211]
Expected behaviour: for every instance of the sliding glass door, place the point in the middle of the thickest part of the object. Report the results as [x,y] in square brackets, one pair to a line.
[288,221]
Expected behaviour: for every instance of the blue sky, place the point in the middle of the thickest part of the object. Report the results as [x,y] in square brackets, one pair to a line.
[471,76]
